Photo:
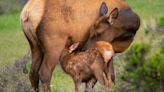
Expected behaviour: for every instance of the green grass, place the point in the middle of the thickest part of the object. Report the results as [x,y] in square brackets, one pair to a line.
[61,82]
[147,9]
[13,44]
[10,22]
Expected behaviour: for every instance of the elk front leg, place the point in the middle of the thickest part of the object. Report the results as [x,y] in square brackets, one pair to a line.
[52,45]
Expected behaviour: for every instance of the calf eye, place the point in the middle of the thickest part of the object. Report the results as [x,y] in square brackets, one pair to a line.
[107,22]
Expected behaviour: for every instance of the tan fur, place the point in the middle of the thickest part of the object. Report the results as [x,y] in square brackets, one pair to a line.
[30,18]
[78,18]
[75,12]
[35,8]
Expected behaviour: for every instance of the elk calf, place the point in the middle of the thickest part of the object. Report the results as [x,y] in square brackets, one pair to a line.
[88,66]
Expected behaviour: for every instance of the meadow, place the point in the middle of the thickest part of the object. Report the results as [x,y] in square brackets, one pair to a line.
[13,46]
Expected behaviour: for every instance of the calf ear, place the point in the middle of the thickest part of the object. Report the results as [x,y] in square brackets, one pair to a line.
[114,13]
[103,9]
[73,47]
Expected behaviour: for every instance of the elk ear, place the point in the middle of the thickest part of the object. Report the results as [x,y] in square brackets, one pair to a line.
[97,28]
[103,9]
[114,13]
[73,47]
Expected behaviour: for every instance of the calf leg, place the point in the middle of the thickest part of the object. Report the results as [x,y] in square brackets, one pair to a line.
[90,85]
[110,73]
[98,71]
[77,82]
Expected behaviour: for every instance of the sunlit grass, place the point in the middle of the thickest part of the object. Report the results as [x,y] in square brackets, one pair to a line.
[147,8]
[61,82]
[10,22]
[13,44]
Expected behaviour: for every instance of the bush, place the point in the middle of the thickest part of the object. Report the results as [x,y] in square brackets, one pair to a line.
[144,68]
[161,22]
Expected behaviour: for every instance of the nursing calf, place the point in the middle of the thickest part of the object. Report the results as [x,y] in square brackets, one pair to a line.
[88,66]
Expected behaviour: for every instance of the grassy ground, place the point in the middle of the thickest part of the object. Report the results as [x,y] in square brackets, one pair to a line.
[13,44]
[148,8]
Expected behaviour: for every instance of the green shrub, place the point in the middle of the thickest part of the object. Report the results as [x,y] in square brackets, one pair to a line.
[161,22]
[144,68]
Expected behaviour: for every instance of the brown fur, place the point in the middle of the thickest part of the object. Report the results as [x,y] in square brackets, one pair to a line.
[88,65]
[47,25]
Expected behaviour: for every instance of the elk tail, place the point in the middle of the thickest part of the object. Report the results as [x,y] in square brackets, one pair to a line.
[28,29]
